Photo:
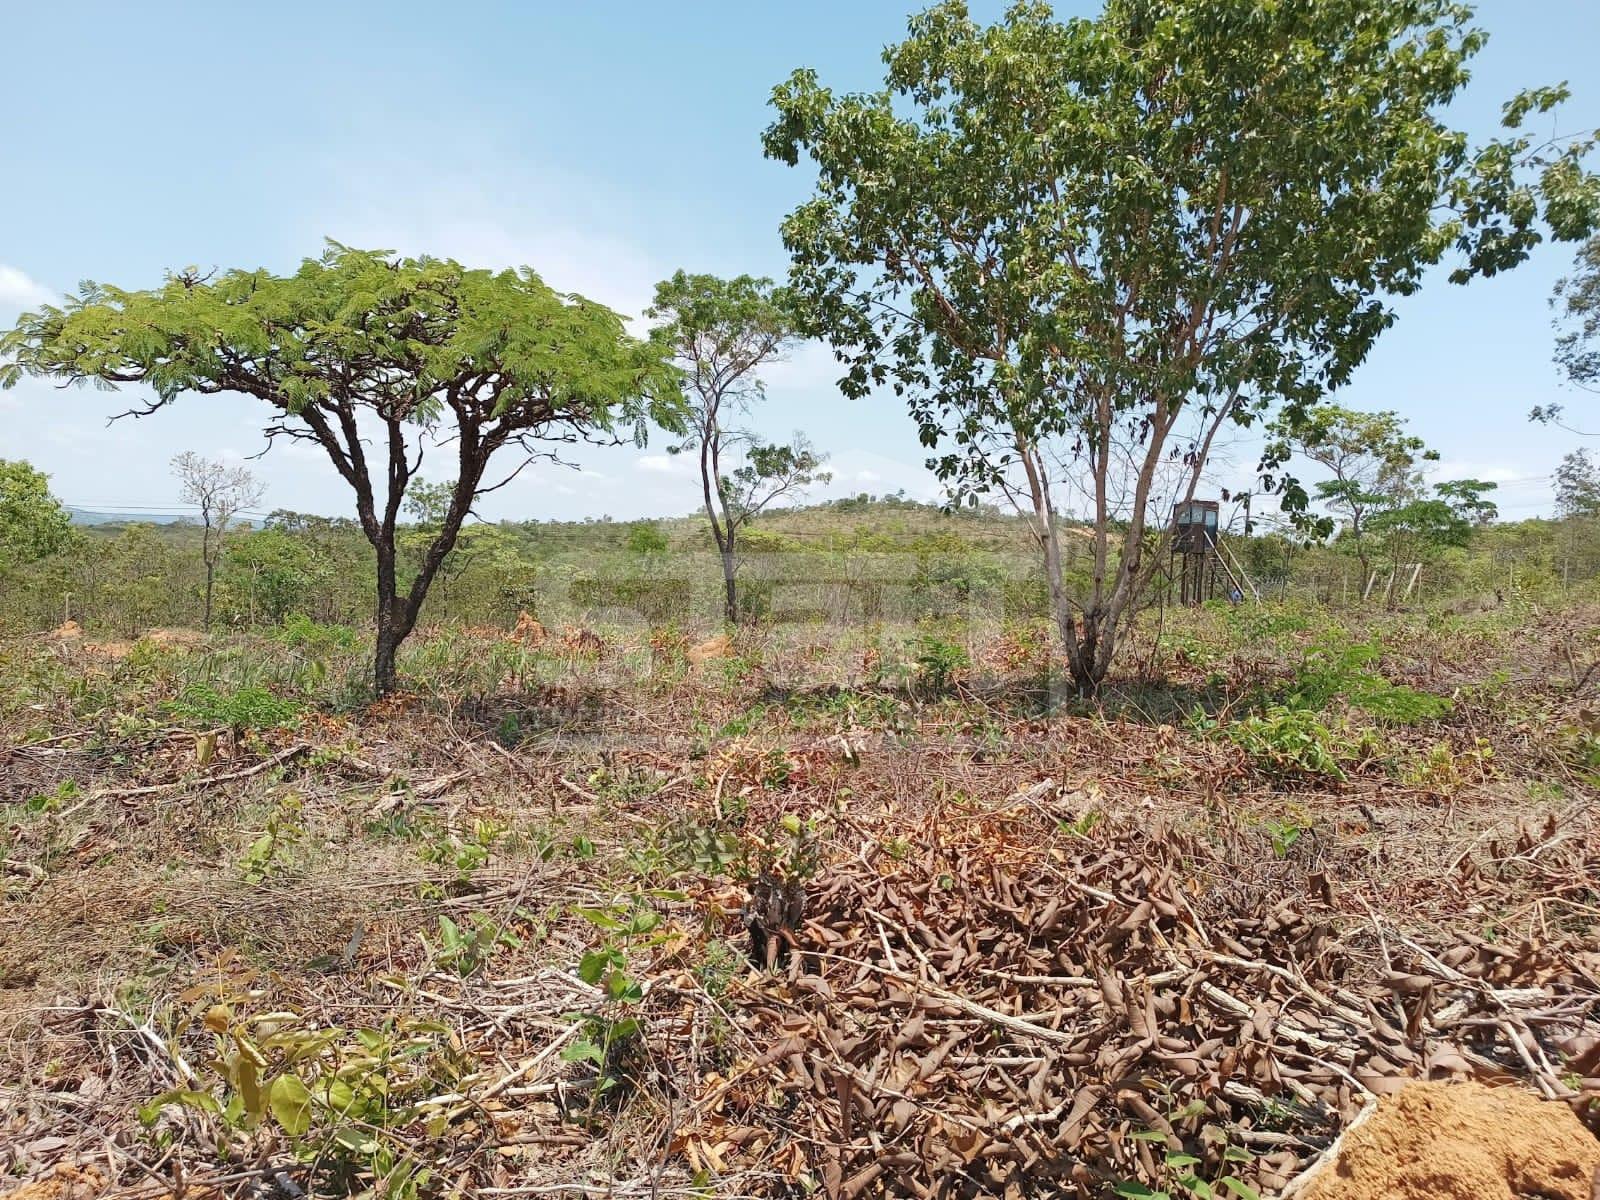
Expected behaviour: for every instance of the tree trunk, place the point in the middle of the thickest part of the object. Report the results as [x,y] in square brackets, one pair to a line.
[389,632]
[383,668]
[211,573]
[730,588]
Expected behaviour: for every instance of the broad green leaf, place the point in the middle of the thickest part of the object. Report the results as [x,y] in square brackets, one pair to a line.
[290,1102]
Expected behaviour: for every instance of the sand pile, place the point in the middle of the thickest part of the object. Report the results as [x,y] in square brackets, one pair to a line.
[1462,1141]
[66,1183]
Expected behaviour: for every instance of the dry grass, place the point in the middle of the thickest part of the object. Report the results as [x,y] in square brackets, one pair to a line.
[134,899]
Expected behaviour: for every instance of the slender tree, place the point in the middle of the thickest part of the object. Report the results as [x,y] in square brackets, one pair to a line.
[1424,526]
[1578,485]
[1577,305]
[722,332]
[220,492]
[1055,239]
[376,360]
[1374,462]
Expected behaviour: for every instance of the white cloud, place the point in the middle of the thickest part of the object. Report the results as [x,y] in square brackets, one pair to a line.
[1451,469]
[660,464]
[808,369]
[554,222]
[18,291]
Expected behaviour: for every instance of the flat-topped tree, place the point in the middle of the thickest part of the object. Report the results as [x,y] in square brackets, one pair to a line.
[1076,247]
[377,360]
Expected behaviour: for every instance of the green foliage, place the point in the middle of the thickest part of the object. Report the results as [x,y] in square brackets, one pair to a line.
[610,1034]
[1054,237]
[241,708]
[268,574]
[350,1103]
[1577,304]
[32,522]
[1578,481]
[285,827]
[1180,1173]
[655,598]
[1338,668]
[1286,831]
[938,662]
[464,949]
[485,359]
[1373,460]
[1291,743]
[1444,770]
[645,538]
[722,333]
[315,638]
[465,854]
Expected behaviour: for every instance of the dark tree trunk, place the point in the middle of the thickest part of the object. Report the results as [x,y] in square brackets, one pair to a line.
[730,587]
[211,574]
[383,669]
[390,633]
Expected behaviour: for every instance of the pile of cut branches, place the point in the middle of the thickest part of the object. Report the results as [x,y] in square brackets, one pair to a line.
[986,1013]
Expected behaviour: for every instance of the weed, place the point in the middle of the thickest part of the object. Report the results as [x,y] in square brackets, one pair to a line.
[1336,668]
[347,1101]
[300,632]
[1180,1171]
[466,854]
[464,949]
[1291,743]
[1442,770]
[611,1035]
[938,662]
[509,731]
[285,827]
[245,708]
[1286,831]
[1082,826]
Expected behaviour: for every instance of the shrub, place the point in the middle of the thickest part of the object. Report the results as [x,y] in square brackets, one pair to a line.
[1334,668]
[300,632]
[938,661]
[246,708]
[1291,743]
[349,1102]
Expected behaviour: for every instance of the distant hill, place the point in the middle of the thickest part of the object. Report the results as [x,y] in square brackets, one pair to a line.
[87,516]
[84,516]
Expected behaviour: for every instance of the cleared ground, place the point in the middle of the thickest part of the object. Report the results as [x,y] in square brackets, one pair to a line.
[824,910]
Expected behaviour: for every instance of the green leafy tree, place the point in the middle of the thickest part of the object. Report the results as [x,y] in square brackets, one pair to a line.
[270,573]
[1578,485]
[139,574]
[722,332]
[646,539]
[422,351]
[1373,460]
[32,522]
[1420,529]
[1075,248]
[1577,305]
[220,492]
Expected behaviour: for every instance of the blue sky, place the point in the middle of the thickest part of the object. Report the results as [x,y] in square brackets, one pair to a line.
[604,144]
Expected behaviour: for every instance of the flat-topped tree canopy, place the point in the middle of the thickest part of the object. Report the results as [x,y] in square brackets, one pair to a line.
[376,359]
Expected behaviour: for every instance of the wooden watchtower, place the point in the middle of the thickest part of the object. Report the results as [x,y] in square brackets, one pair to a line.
[1196,563]
[1201,560]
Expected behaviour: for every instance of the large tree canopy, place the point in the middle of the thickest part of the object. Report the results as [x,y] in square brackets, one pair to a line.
[377,360]
[1075,248]
[32,522]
